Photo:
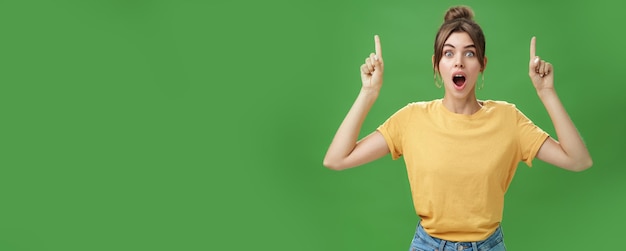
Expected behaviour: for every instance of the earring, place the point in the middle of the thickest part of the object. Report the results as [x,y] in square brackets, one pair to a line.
[437,81]
[482,85]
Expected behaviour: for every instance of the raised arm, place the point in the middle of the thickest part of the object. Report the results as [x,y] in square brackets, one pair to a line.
[345,151]
[570,151]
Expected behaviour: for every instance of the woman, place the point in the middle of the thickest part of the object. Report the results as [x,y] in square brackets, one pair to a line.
[460,152]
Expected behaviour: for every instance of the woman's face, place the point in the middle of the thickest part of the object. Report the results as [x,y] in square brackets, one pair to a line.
[459,66]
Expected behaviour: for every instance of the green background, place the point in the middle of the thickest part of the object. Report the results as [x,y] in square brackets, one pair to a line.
[201,125]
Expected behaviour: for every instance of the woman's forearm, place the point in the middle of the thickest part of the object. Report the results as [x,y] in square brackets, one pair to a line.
[345,139]
[568,136]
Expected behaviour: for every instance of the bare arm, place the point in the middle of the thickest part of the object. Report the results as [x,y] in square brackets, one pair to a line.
[570,151]
[345,151]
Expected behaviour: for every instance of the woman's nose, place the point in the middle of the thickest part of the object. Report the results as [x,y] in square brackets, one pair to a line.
[459,63]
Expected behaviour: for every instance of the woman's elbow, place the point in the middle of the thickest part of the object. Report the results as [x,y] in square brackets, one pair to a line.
[587,164]
[582,165]
[333,165]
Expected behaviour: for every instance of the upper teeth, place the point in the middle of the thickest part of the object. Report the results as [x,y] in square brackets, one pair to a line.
[458,75]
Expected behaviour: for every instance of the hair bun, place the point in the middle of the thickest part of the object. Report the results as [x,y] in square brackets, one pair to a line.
[459,12]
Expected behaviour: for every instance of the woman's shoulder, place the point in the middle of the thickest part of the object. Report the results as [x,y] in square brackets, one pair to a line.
[416,107]
[424,104]
[500,108]
[501,104]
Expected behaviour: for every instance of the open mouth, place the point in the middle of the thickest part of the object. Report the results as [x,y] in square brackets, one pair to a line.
[459,80]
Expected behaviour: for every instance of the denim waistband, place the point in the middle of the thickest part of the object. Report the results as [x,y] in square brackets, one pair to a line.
[491,241]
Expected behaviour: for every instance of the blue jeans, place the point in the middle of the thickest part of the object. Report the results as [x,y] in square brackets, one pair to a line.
[424,242]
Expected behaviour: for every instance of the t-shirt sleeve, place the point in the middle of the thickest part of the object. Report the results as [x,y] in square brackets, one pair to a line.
[531,137]
[393,129]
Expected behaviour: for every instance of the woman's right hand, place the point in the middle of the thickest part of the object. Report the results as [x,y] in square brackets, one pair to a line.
[346,150]
[372,70]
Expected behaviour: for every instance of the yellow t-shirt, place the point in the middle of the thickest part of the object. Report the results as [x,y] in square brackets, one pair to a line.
[460,166]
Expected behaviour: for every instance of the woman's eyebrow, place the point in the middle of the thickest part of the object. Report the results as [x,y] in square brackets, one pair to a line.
[468,46]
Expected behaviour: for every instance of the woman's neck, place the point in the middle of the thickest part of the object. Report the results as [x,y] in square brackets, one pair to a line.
[468,105]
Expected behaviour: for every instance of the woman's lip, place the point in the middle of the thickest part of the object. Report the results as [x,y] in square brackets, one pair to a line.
[459,73]
[459,80]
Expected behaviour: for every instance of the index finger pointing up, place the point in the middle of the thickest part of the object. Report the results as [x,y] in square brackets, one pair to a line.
[533,42]
[379,52]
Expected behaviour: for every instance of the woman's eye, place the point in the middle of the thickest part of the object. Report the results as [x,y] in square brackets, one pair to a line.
[447,54]
[469,54]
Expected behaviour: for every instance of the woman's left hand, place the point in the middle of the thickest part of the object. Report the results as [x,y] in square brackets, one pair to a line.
[540,71]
